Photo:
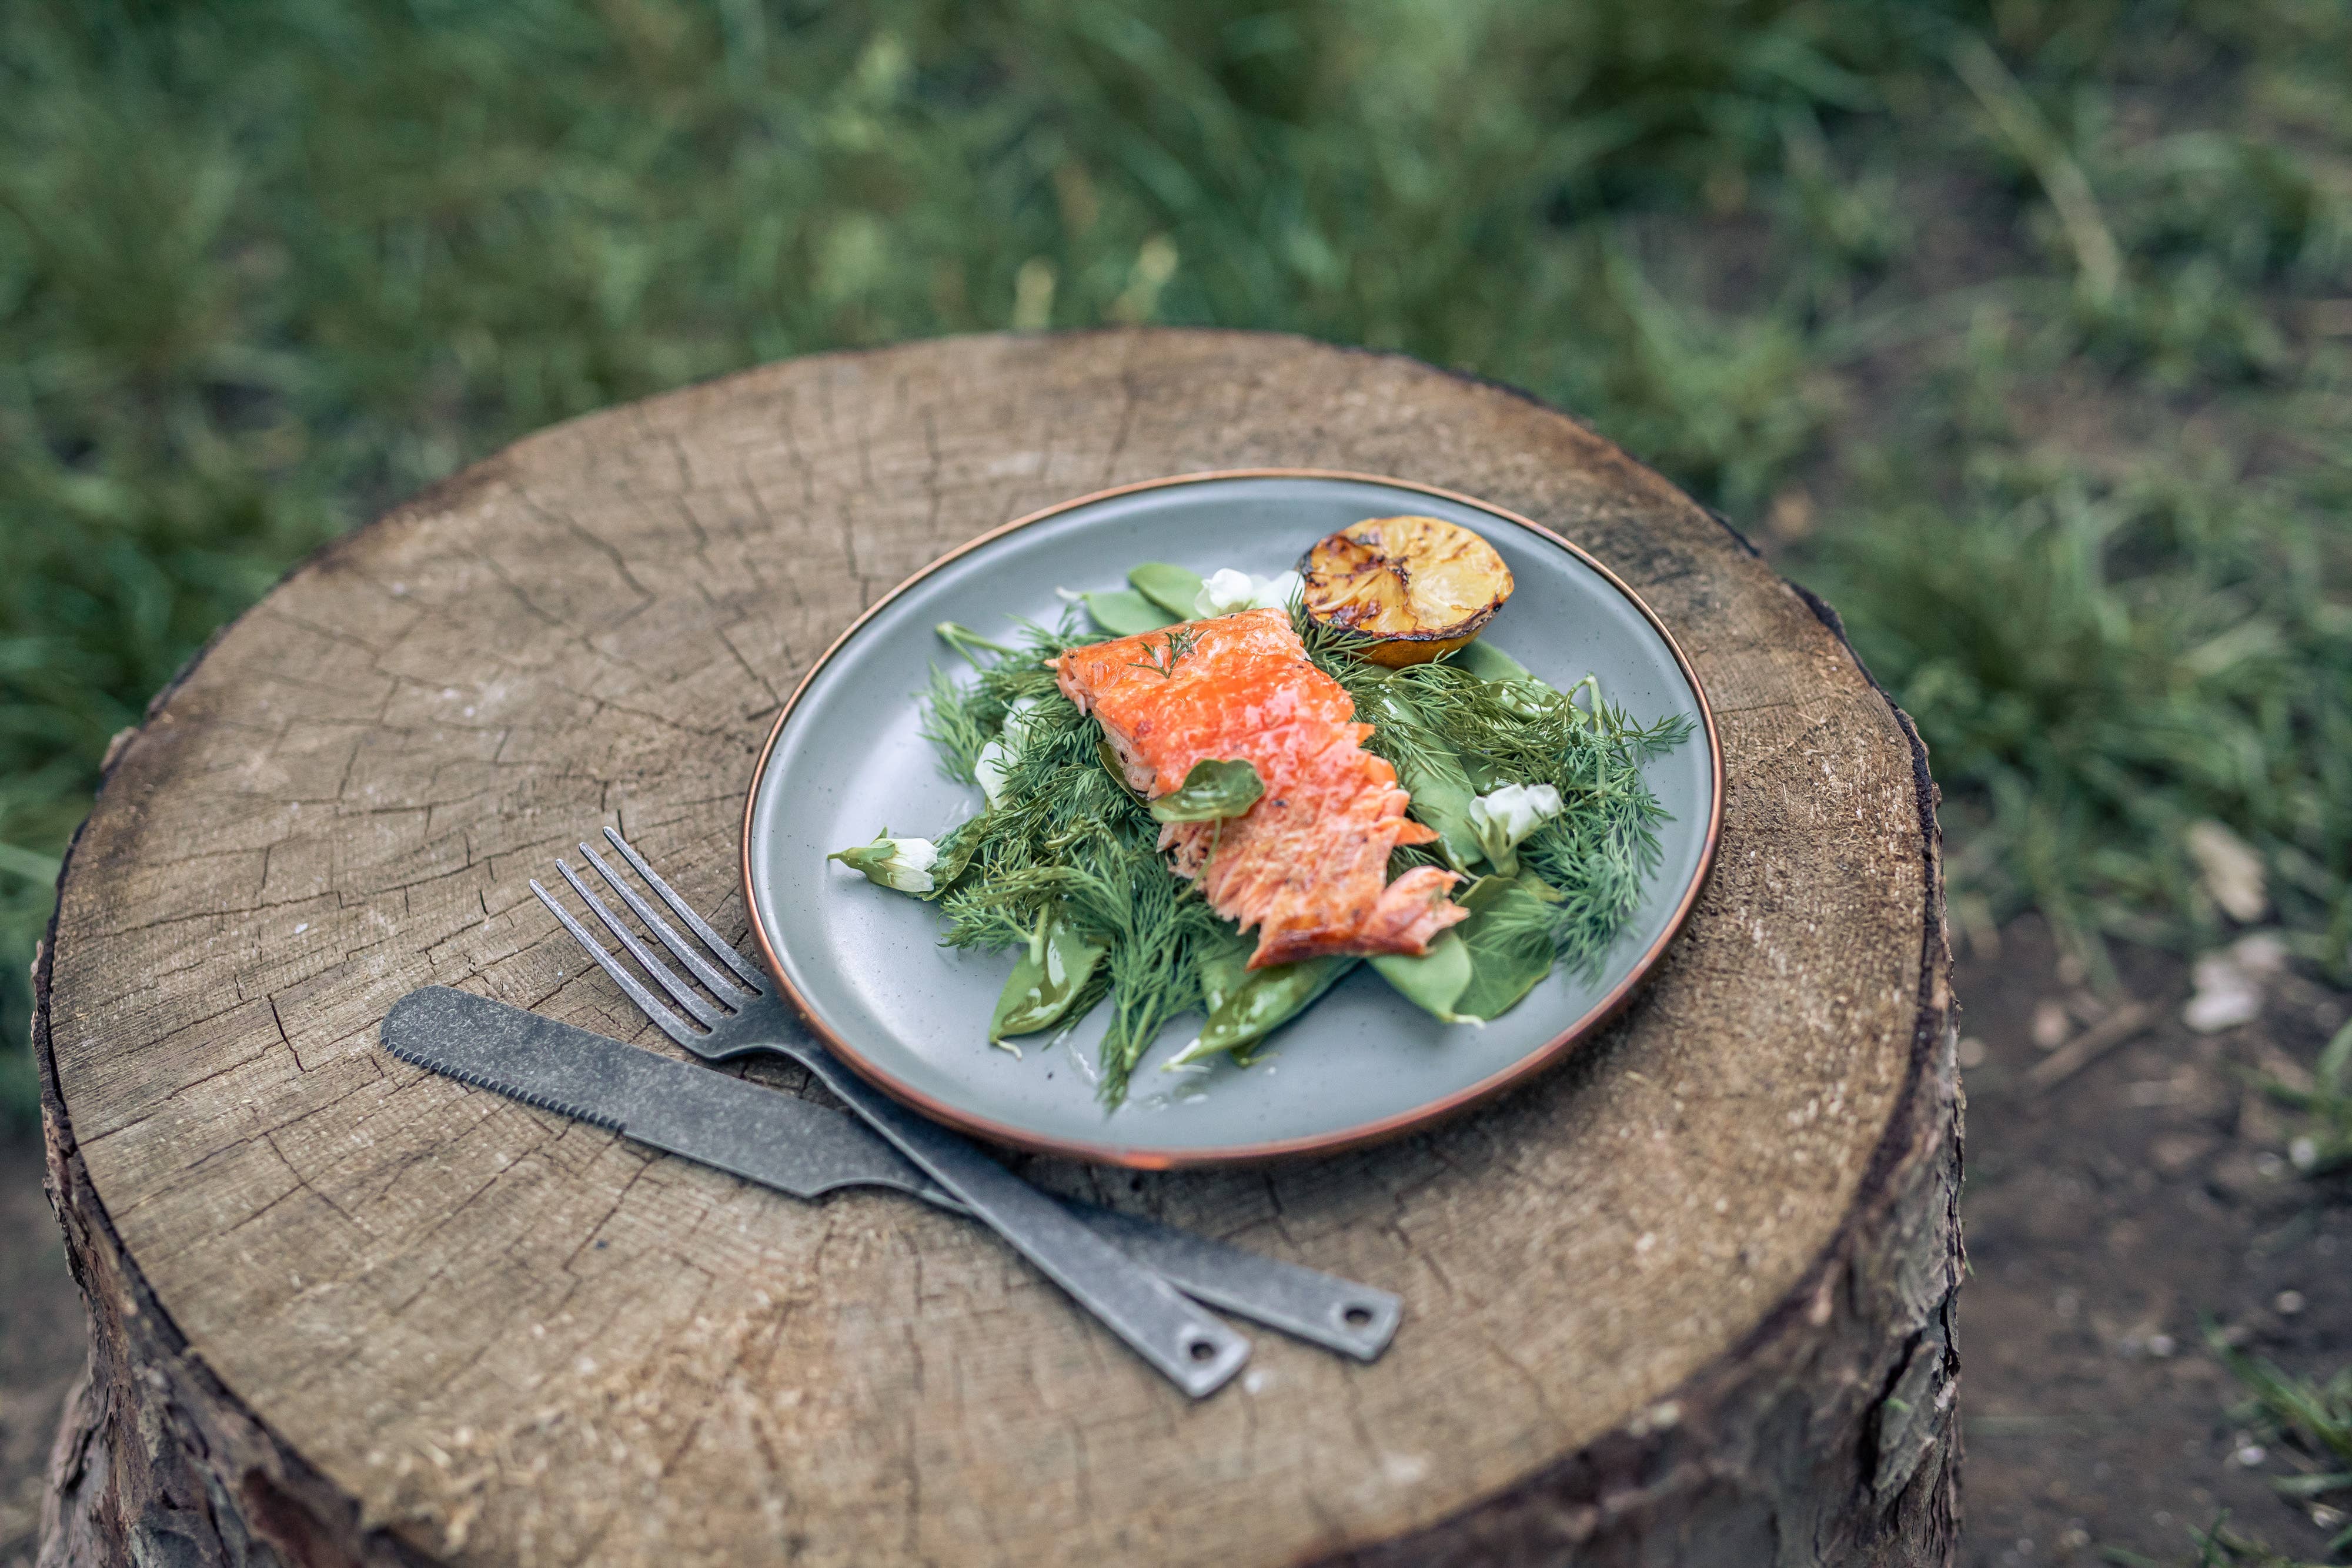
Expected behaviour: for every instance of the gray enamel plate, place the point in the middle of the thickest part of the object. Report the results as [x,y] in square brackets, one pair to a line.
[864,965]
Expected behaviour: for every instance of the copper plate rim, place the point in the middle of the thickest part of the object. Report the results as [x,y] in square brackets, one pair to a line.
[1594,1018]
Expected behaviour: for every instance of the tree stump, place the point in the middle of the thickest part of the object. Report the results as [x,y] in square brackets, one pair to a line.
[1686,1299]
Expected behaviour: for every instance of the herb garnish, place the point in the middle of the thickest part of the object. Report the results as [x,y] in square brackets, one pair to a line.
[1065,866]
[1162,661]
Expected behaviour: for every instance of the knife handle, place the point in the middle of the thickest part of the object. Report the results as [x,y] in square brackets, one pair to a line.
[1191,1347]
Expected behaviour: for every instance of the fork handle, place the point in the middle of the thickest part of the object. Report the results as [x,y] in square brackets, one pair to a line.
[1189,1346]
[1322,1309]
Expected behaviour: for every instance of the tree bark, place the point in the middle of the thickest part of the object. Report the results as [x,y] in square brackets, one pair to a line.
[1686,1299]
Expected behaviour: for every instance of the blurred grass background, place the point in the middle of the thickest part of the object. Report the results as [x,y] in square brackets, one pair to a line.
[2021,329]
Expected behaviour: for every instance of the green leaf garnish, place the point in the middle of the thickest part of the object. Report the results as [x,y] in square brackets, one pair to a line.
[1509,937]
[1124,614]
[1172,588]
[1211,792]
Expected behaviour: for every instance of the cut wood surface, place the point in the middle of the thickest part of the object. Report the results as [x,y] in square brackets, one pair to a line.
[1688,1299]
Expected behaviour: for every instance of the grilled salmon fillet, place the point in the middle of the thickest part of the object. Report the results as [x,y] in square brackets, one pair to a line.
[1307,865]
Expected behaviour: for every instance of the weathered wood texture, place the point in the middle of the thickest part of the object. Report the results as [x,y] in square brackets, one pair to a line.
[1686,1299]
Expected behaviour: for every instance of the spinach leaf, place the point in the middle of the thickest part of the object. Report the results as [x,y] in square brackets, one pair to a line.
[1211,791]
[1488,663]
[1172,588]
[1123,614]
[1508,936]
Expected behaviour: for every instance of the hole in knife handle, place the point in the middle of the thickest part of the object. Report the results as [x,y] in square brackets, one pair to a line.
[1358,1317]
[1202,1349]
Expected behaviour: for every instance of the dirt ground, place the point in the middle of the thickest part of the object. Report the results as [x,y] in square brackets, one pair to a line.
[2107,1217]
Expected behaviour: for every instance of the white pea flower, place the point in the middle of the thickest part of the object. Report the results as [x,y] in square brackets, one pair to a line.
[1508,814]
[904,864]
[995,758]
[1228,591]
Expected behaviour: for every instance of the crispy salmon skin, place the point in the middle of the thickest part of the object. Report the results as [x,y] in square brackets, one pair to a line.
[1307,866]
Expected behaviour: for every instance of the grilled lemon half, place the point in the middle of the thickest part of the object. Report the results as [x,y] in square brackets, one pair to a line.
[1414,588]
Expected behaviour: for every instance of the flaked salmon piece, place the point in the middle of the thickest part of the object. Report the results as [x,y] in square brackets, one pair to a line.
[1308,865]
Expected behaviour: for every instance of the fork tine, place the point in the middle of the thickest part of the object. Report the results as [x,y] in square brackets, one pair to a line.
[661,974]
[720,947]
[668,1022]
[683,950]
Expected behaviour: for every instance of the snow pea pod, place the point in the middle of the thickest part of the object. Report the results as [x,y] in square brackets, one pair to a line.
[1436,980]
[1047,980]
[1488,663]
[1264,1001]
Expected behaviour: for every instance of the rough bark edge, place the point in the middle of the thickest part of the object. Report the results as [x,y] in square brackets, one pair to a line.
[150,1430]
[149,1436]
[151,1443]
[1828,1433]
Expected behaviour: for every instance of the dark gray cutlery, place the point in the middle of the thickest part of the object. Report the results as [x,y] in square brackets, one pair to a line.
[1193,1349]
[807,1150]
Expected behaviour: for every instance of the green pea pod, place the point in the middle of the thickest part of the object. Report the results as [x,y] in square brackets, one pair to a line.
[1222,967]
[1434,981]
[1522,693]
[1264,1001]
[1509,937]
[1123,614]
[1211,792]
[1172,588]
[1046,980]
[1488,663]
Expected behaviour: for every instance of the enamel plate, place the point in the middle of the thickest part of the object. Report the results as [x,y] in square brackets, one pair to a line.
[864,966]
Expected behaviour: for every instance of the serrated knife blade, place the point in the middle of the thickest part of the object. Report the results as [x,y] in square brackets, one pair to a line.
[747,1130]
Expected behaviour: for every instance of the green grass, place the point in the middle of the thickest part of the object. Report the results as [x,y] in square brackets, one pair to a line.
[2019,327]
[2312,1422]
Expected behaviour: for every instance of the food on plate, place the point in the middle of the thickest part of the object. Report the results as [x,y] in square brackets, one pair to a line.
[1306,865]
[1413,588]
[1226,793]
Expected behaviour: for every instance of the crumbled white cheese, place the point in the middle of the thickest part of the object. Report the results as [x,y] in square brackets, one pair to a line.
[995,758]
[1227,593]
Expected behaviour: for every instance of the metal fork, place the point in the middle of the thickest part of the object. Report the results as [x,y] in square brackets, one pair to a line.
[1119,1266]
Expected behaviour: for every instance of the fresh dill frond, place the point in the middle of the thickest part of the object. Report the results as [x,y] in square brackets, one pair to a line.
[1064,832]
[1602,849]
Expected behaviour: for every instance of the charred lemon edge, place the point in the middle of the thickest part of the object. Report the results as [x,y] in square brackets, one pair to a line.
[1395,650]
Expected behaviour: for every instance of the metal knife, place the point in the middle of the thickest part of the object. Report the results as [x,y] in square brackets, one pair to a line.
[785,1142]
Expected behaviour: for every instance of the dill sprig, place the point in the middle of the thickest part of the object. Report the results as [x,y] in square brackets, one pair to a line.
[1601,848]
[1065,832]
[1066,835]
